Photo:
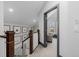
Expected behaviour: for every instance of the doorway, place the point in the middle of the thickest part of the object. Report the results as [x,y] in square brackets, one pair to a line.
[51,28]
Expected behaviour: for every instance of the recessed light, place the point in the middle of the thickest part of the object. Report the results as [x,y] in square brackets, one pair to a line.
[34,20]
[11,10]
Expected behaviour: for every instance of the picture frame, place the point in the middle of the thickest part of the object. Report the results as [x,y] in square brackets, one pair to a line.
[17,29]
[24,36]
[24,29]
[6,28]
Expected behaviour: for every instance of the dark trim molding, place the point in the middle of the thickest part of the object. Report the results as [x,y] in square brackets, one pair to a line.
[38,36]
[45,27]
[42,44]
[49,41]
[59,56]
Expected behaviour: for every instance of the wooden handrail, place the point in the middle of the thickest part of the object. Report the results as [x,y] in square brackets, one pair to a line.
[25,39]
[35,32]
[2,36]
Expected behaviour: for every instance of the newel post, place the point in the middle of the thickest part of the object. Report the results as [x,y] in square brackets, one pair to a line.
[31,41]
[9,43]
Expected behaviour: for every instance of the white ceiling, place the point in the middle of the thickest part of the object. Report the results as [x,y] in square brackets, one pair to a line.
[24,11]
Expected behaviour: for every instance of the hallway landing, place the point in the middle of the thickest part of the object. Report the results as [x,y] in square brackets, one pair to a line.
[49,51]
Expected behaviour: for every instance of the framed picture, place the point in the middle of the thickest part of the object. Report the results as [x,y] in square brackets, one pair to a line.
[6,28]
[17,29]
[24,36]
[24,29]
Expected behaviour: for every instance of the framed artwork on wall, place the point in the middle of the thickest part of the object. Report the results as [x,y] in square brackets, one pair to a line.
[24,36]
[17,29]
[24,29]
[6,28]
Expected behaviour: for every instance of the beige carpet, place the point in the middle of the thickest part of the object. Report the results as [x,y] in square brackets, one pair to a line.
[50,51]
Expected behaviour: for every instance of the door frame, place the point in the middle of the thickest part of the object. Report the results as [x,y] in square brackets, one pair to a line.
[45,27]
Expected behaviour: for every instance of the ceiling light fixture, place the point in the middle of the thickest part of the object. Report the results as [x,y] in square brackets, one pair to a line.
[11,10]
[34,20]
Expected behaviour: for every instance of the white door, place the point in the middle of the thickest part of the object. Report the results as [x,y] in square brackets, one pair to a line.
[2,40]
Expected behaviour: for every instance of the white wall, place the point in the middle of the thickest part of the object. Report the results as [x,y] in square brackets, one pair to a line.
[63,27]
[1,18]
[73,8]
[69,27]
[41,28]
[2,40]
[41,18]
[35,27]
[35,40]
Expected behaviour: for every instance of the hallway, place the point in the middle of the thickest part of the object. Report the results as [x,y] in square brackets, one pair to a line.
[49,51]
[26,24]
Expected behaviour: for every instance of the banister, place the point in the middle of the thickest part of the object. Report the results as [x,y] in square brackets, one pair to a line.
[2,36]
[25,39]
[35,32]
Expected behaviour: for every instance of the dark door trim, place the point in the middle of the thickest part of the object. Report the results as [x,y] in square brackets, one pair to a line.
[45,27]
